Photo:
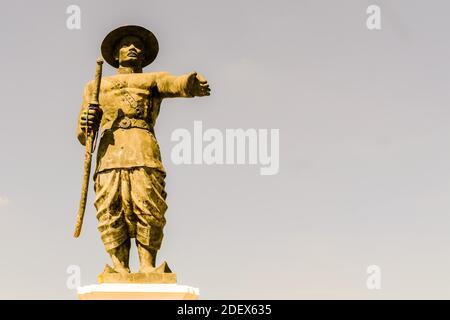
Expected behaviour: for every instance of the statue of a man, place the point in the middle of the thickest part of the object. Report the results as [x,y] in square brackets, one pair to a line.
[129,175]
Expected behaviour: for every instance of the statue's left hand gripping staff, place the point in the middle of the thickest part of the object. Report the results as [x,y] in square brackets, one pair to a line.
[90,147]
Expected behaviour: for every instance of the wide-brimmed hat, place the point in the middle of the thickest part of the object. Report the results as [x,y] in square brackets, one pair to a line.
[149,40]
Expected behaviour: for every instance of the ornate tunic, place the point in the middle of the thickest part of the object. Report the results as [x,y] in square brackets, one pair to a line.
[130,105]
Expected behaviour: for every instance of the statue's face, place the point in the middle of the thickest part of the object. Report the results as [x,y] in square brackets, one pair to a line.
[129,51]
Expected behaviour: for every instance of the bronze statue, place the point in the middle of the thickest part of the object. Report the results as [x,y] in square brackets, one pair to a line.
[129,175]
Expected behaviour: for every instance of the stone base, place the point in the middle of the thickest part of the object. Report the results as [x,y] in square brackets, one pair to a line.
[161,274]
[138,278]
[137,291]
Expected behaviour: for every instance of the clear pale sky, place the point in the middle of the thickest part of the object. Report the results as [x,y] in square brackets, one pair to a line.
[364,146]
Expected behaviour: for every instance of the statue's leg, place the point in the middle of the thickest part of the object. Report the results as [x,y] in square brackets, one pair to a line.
[120,257]
[148,197]
[147,258]
[111,221]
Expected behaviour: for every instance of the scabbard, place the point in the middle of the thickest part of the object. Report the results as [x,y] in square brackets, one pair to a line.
[90,138]
[84,184]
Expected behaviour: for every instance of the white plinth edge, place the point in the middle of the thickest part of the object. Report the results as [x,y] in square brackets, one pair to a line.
[137,291]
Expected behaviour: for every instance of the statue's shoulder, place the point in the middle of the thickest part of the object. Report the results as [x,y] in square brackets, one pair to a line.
[149,78]
[145,78]
[131,76]
[157,74]
[89,86]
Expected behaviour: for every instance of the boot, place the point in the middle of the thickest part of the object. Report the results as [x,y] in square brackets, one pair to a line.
[120,257]
[147,258]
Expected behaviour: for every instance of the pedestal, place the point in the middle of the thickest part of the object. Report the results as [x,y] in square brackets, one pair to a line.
[138,291]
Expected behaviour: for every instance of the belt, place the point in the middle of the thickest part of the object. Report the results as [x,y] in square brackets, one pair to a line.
[126,123]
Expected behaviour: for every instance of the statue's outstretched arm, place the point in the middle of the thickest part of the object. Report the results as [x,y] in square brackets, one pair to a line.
[185,86]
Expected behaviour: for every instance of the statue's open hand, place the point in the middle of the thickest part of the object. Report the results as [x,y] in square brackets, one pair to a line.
[93,116]
[197,85]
